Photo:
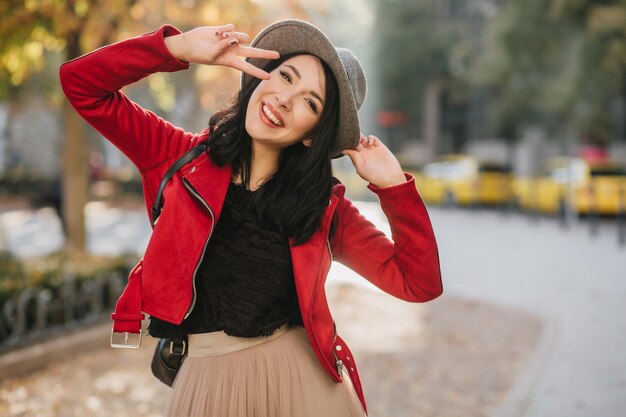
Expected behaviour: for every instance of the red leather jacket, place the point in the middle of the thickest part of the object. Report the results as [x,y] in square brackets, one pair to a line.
[162,283]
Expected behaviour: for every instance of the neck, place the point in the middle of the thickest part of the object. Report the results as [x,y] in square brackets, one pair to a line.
[263,165]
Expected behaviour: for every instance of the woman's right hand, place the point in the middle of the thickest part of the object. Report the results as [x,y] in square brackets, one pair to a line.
[218,45]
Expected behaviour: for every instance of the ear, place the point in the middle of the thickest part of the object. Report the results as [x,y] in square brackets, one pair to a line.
[308,142]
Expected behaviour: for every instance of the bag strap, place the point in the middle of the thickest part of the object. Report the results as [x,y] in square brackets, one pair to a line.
[189,156]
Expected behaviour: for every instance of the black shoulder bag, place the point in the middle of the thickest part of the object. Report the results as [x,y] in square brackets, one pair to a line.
[170,352]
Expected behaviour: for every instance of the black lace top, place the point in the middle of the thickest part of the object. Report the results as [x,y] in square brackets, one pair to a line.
[245,283]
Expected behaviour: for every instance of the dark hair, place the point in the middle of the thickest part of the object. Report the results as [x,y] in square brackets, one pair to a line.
[294,199]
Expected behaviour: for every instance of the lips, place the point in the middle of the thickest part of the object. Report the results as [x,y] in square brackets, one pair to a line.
[266,119]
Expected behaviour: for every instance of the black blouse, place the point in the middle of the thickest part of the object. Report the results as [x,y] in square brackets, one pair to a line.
[245,284]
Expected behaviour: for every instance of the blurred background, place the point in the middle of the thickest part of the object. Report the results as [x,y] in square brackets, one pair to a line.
[510,114]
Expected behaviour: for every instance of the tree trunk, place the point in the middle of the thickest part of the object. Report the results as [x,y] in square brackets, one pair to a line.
[431,118]
[75,181]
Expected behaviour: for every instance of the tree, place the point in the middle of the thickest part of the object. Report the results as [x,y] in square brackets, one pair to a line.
[558,64]
[33,31]
[421,52]
[30,31]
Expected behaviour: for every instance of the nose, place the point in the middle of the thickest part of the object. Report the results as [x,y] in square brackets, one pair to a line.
[284,99]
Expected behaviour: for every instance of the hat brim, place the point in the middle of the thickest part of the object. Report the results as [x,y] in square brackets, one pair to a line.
[293,35]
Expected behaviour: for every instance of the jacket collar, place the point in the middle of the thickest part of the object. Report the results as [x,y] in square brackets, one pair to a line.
[212,187]
[209,181]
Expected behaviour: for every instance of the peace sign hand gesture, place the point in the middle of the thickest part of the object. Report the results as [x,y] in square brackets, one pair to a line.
[375,163]
[218,45]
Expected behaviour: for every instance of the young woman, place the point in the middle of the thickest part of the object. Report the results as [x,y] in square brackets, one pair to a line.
[239,255]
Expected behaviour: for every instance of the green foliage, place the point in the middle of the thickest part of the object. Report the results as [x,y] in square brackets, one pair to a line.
[428,45]
[415,42]
[48,272]
[34,30]
[12,275]
[558,64]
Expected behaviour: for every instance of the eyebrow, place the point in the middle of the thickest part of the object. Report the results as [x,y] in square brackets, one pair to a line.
[313,93]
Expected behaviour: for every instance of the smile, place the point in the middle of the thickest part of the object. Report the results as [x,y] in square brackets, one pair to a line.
[268,117]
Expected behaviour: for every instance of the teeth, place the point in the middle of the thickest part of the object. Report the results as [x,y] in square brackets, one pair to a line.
[271,116]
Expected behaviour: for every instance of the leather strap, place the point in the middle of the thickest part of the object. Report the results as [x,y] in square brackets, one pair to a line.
[127,315]
[189,156]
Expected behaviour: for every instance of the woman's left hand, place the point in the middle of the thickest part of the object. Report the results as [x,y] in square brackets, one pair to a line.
[375,163]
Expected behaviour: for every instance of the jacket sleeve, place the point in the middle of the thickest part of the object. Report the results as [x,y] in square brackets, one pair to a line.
[407,267]
[92,83]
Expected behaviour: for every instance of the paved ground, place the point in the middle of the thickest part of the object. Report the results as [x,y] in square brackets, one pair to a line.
[566,276]
[574,282]
[448,358]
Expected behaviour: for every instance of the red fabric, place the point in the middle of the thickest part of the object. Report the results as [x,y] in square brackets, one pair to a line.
[345,355]
[128,316]
[161,284]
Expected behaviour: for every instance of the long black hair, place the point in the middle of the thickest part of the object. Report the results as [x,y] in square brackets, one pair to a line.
[294,199]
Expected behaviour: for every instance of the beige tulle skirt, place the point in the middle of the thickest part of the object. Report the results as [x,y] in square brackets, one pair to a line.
[274,376]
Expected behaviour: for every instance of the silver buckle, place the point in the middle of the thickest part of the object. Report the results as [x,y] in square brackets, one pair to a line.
[126,345]
[172,351]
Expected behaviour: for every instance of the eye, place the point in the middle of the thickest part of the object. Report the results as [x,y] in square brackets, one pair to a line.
[285,76]
[312,104]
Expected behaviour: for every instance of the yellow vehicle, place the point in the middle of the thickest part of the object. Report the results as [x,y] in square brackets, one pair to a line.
[494,183]
[604,191]
[553,186]
[450,179]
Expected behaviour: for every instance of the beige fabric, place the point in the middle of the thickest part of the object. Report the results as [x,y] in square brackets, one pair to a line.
[219,343]
[279,377]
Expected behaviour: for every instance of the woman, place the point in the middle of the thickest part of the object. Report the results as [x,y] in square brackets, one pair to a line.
[239,255]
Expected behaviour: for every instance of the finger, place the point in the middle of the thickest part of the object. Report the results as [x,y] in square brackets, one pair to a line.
[229,27]
[250,69]
[240,36]
[225,44]
[353,155]
[250,52]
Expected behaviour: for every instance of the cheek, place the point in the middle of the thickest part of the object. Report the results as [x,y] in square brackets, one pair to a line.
[308,120]
[255,95]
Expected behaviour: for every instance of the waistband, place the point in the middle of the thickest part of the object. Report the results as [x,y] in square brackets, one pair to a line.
[220,343]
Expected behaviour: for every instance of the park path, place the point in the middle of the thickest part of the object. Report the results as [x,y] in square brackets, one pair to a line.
[574,282]
[572,279]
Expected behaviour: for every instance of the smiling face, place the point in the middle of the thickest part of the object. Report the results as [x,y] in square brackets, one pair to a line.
[286,108]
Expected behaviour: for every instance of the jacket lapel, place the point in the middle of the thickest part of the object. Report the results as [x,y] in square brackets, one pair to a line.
[209,181]
[307,258]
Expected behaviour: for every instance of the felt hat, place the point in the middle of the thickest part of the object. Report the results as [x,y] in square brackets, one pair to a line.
[293,35]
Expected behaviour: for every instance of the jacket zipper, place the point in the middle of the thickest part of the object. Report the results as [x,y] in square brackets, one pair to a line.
[195,271]
[338,362]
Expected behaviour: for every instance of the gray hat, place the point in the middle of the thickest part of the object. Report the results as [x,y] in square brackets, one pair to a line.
[292,35]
